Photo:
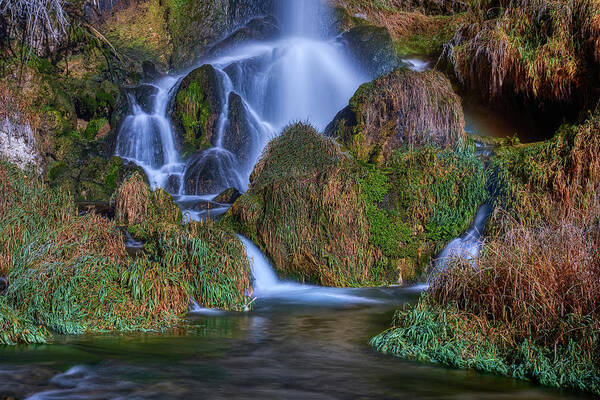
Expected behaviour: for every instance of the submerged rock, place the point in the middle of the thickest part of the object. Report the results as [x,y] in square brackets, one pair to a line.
[198,104]
[402,108]
[229,196]
[372,47]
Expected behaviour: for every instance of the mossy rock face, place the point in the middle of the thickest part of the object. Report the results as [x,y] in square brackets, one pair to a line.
[304,210]
[198,104]
[402,108]
[196,25]
[420,200]
[373,48]
[93,182]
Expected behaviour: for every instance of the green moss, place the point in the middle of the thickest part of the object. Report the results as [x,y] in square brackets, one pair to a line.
[420,200]
[195,111]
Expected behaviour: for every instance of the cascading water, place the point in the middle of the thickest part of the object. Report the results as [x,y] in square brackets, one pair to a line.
[467,246]
[268,286]
[264,86]
[146,136]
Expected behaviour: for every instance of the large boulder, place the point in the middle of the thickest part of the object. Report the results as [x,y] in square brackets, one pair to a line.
[402,108]
[197,107]
[303,208]
[372,47]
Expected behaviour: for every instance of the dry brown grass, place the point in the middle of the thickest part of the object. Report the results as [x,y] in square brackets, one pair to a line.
[539,274]
[402,108]
[306,213]
[536,48]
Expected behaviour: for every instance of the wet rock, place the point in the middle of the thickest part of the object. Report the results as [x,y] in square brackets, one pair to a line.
[173,184]
[402,108]
[150,71]
[198,104]
[211,171]
[201,24]
[373,47]
[3,285]
[257,29]
[206,205]
[241,136]
[134,248]
[145,97]
[229,196]
[103,208]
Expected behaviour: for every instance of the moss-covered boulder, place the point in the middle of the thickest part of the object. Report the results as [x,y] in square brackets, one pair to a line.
[372,47]
[420,200]
[324,217]
[402,108]
[198,104]
[304,210]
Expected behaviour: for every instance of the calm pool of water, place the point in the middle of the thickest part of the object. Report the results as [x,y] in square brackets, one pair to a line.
[281,350]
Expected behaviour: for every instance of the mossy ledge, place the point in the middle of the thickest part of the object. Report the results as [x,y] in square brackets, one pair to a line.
[70,273]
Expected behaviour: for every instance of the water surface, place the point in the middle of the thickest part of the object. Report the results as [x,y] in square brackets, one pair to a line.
[280,350]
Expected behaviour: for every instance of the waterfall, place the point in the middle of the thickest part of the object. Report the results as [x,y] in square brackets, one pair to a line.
[146,135]
[268,286]
[264,86]
[467,246]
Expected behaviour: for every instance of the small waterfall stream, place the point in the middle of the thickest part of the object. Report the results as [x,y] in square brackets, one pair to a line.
[268,286]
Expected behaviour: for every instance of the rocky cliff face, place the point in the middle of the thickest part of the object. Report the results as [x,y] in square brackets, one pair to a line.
[18,145]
